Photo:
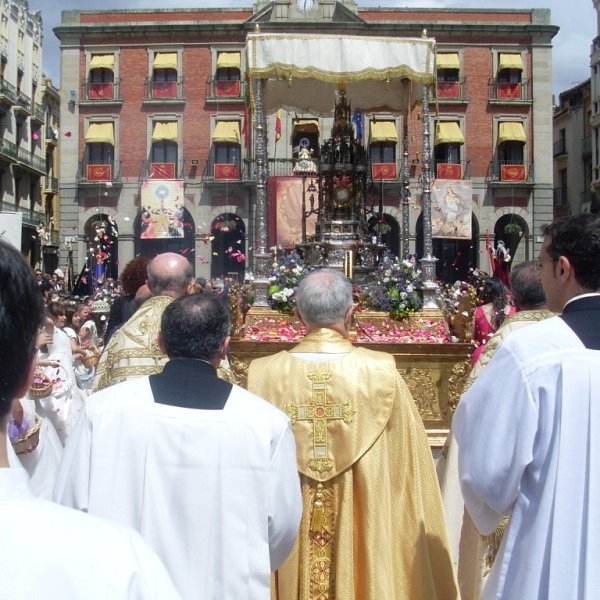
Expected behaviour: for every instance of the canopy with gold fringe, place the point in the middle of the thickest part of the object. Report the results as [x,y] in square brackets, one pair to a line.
[306,71]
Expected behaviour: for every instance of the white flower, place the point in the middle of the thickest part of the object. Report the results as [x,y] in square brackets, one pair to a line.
[409,288]
[403,295]
[272,278]
[386,279]
[275,265]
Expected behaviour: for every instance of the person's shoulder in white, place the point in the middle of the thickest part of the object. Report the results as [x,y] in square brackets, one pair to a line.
[50,551]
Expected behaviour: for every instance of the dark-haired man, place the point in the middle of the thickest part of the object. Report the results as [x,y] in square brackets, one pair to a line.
[48,551]
[528,431]
[205,470]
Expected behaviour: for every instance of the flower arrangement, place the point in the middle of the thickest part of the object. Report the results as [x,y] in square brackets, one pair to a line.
[286,272]
[395,289]
[381,228]
[223,224]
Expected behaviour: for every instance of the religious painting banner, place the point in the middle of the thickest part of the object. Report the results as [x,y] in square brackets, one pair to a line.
[99,172]
[163,210]
[384,171]
[449,171]
[225,172]
[285,199]
[162,171]
[512,172]
[100,91]
[227,89]
[451,209]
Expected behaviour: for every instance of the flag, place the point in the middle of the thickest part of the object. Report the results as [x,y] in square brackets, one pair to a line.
[278,126]
[246,127]
[357,119]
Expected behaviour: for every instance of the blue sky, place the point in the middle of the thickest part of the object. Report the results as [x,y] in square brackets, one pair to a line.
[571,53]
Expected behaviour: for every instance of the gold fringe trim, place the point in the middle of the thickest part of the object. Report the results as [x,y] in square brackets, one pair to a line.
[492,545]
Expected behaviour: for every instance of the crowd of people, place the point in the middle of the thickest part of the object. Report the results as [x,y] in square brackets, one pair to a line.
[315,482]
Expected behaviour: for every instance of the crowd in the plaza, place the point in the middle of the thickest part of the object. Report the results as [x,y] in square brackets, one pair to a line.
[314,480]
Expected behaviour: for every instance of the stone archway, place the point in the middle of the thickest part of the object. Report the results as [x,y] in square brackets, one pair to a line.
[391,236]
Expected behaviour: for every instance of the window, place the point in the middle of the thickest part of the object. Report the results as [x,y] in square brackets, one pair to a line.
[509,77]
[164,150]
[448,145]
[228,75]
[164,75]
[101,77]
[227,150]
[383,139]
[100,151]
[448,68]
[511,150]
[305,135]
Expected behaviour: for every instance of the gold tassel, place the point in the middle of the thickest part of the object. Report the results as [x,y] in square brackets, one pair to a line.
[492,545]
[317,513]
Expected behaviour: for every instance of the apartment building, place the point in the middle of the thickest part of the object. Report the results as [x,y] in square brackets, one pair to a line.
[157,141]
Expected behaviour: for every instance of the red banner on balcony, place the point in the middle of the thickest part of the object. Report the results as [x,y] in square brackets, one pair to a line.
[227,89]
[99,173]
[101,91]
[383,171]
[449,171]
[448,89]
[164,89]
[509,90]
[227,172]
[512,173]
[162,170]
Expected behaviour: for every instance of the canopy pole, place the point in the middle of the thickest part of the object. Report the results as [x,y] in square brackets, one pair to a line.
[428,261]
[405,189]
[261,255]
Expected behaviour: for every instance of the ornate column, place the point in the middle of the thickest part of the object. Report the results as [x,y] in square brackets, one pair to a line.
[428,261]
[405,189]
[261,254]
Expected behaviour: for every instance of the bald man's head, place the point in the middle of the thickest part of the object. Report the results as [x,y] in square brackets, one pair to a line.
[170,274]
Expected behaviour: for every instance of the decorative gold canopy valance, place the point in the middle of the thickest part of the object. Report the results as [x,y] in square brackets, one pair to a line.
[306,71]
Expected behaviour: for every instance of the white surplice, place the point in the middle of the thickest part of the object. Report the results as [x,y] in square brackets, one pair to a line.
[215,492]
[528,432]
[52,552]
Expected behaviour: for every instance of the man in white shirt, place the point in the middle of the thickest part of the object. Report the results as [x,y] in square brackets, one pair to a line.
[203,469]
[48,551]
[528,431]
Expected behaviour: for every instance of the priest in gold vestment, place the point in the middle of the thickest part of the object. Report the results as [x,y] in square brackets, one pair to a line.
[373,526]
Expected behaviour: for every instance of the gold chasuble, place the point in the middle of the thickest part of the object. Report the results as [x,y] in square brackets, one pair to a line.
[373,526]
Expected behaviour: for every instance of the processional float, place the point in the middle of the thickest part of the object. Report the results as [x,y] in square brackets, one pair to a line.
[330,74]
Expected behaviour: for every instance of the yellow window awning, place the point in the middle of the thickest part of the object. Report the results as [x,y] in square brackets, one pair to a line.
[229,60]
[165,131]
[306,126]
[383,131]
[510,131]
[447,60]
[448,133]
[510,61]
[103,61]
[165,60]
[227,131]
[100,133]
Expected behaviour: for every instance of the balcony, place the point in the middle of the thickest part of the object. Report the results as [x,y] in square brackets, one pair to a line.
[106,93]
[560,196]
[23,104]
[8,93]
[50,185]
[51,135]
[38,114]
[508,92]
[559,148]
[156,170]
[8,150]
[510,172]
[450,91]
[452,170]
[218,90]
[31,162]
[30,217]
[97,173]
[164,92]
